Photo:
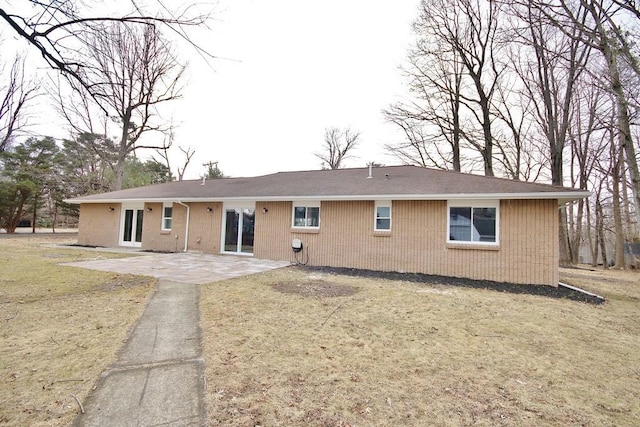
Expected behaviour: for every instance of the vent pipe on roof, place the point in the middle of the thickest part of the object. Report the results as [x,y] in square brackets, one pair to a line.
[204,179]
[370,171]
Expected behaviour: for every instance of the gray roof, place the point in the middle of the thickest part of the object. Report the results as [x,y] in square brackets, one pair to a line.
[386,183]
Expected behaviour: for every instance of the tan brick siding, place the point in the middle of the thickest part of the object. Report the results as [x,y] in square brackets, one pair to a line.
[156,239]
[205,227]
[98,225]
[528,251]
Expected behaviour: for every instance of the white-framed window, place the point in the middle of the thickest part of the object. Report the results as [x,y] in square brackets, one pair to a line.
[382,220]
[167,216]
[306,214]
[473,222]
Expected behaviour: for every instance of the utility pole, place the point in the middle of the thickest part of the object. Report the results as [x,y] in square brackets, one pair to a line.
[212,171]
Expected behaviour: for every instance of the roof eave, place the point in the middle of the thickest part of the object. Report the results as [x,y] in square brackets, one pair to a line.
[562,197]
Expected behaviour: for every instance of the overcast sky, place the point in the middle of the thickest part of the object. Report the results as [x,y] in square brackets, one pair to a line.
[294,68]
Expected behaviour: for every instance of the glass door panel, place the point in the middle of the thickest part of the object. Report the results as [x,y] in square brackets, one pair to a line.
[239,230]
[139,216]
[248,219]
[231,230]
[128,225]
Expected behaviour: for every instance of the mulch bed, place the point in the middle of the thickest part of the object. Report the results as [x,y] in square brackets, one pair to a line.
[541,290]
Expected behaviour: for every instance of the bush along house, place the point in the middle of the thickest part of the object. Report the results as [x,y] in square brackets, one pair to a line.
[398,218]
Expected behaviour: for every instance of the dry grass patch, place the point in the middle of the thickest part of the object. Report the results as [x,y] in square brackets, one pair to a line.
[60,328]
[399,353]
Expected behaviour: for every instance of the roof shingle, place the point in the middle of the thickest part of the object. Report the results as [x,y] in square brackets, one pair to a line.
[390,182]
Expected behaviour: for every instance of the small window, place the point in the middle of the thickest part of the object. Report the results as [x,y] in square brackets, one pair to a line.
[306,216]
[167,215]
[475,224]
[383,216]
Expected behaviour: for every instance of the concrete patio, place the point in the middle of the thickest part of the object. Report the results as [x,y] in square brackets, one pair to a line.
[194,268]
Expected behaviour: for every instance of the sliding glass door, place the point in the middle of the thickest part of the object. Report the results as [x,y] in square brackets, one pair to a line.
[131,229]
[238,230]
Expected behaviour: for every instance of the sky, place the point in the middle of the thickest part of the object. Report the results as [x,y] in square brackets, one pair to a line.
[295,68]
[288,69]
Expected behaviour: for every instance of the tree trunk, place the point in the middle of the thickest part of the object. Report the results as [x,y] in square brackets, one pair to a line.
[593,245]
[600,226]
[617,209]
[487,153]
[35,212]
[563,236]
[577,233]
[119,174]
[624,128]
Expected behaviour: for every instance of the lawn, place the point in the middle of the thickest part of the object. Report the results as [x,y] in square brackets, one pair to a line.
[297,347]
[60,327]
[301,347]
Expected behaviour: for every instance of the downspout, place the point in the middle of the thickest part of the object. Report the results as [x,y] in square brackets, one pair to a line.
[186,231]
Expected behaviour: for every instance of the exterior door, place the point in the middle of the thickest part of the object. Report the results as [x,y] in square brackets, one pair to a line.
[238,230]
[131,230]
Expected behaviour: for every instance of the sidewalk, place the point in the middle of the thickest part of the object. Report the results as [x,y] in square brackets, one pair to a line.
[159,376]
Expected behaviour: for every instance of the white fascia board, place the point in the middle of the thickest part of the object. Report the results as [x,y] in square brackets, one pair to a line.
[137,200]
[565,196]
[562,197]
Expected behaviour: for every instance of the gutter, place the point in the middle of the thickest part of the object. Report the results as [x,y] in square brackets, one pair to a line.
[562,197]
[186,231]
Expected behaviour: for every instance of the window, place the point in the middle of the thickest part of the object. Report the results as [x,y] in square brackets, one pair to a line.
[383,216]
[167,215]
[306,215]
[473,223]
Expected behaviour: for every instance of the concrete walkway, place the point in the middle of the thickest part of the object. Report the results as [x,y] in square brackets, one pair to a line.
[158,378]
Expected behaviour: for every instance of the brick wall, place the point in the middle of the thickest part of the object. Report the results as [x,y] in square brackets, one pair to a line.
[528,250]
[98,225]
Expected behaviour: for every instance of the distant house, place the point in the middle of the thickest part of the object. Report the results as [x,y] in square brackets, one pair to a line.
[400,218]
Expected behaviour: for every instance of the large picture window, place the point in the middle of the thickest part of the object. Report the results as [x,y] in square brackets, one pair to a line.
[473,223]
[306,215]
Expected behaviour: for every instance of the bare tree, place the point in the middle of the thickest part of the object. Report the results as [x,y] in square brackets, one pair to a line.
[338,144]
[132,71]
[60,29]
[163,151]
[608,29]
[588,143]
[188,154]
[16,91]
[434,117]
[521,159]
[455,59]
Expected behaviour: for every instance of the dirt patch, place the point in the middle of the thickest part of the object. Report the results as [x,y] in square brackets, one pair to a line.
[316,289]
[123,282]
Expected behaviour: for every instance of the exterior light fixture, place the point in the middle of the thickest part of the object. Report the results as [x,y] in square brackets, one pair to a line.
[111,209]
[265,210]
[149,209]
[209,209]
